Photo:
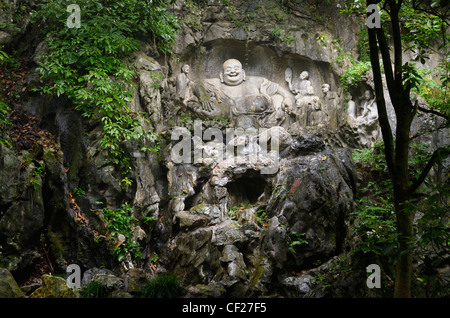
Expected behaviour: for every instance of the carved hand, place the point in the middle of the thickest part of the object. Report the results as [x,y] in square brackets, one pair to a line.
[207,106]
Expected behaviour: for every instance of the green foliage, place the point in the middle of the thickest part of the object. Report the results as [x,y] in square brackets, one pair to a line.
[419,156]
[154,258]
[363,45]
[424,32]
[87,64]
[295,239]
[434,224]
[3,55]
[371,158]
[433,240]
[411,76]
[352,76]
[78,191]
[120,222]
[375,228]
[435,86]
[94,290]
[165,286]
[233,212]
[421,28]
[5,123]
[148,219]
[280,34]
[261,217]
[38,172]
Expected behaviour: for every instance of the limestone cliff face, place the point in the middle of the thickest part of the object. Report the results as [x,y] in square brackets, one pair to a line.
[225,226]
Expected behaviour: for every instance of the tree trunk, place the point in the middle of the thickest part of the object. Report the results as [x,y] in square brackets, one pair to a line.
[403,269]
[405,215]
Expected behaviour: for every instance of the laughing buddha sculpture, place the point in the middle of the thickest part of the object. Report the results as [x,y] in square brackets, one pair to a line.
[248,101]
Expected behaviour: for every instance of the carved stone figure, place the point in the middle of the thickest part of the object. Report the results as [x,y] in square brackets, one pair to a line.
[183,83]
[288,77]
[367,122]
[351,106]
[370,112]
[249,101]
[331,103]
[351,110]
[315,114]
[302,87]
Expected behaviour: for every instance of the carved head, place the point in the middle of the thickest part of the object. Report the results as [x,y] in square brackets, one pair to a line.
[185,68]
[304,75]
[325,88]
[232,73]
[367,94]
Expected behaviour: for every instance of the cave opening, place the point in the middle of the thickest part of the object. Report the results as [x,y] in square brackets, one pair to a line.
[246,189]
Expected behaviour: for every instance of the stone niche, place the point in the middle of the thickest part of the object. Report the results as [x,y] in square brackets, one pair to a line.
[259,60]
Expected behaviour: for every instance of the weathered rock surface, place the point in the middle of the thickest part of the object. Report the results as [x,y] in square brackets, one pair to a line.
[53,287]
[8,286]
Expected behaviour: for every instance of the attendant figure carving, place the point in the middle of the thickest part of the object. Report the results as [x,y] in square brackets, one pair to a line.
[302,87]
[288,77]
[370,111]
[351,110]
[183,84]
[315,115]
[367,122]
[331,104]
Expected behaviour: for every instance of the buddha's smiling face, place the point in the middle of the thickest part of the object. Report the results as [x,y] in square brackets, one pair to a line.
[232,73]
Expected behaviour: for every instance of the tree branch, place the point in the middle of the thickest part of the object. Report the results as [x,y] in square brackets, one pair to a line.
[387,63]
[438,155]
[426,132]
[398,64]
[381,102]
[435,112]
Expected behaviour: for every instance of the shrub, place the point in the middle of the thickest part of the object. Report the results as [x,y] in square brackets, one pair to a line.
[94,290]
[87,64]
[4,123]
[165,286]
[120,222]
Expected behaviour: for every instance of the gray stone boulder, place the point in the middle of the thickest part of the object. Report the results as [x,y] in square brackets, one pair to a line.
[8,286]
[313,198]
[53,287]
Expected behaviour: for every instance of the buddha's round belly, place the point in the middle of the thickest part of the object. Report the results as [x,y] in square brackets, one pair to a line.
[252,104]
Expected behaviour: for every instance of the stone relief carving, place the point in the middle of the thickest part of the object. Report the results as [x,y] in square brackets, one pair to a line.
[257,102]
[308,110]
[183,84]
[351,110]
[288,73]
[367,123]
[247,101]
[370,112]
[302,87]
[331,106]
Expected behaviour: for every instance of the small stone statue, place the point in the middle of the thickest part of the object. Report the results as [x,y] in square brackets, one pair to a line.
[288,78]
[367,122]
[370,110]
[331,101]
[315,114]
[351,110]
[183,83]
[303,85]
